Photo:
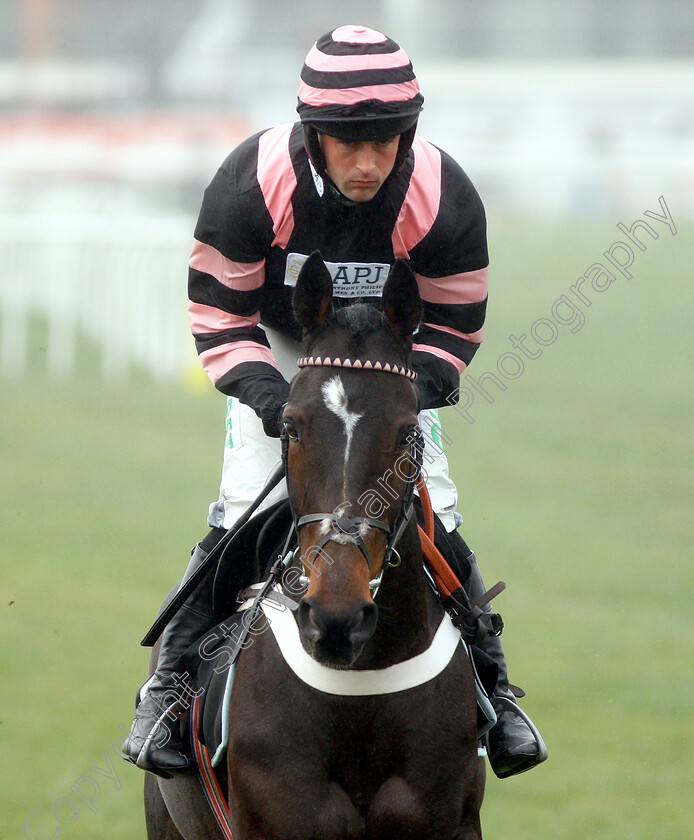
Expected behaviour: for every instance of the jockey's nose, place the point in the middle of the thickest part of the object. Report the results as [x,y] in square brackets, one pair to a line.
[336,637]
[366,159]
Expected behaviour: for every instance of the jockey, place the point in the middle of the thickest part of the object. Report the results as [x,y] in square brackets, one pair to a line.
[351,180]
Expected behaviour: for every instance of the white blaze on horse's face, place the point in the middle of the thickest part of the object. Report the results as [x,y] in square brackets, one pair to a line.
[335,398]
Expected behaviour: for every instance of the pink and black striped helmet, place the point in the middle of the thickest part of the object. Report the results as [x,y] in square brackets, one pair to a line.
[358,84]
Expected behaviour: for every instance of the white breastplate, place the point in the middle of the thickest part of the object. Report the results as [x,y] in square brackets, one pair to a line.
[408,674]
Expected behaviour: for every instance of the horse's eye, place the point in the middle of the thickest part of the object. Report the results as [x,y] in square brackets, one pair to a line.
[405,437]
[290,429]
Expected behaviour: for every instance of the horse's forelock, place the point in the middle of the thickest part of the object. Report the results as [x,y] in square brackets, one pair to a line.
[359,324]
[360,318]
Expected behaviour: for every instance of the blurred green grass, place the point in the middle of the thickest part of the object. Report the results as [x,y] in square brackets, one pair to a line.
[576,488]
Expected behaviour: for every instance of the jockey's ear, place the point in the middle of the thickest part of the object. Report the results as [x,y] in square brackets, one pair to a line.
[401,302]
[313,295]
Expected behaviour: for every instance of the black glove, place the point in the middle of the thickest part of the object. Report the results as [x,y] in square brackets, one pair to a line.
[267,395]
[271,417]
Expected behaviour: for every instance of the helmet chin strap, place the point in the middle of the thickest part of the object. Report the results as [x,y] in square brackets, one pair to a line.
[323,182]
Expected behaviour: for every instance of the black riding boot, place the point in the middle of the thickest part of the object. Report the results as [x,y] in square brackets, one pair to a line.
[154,742]
[513,743]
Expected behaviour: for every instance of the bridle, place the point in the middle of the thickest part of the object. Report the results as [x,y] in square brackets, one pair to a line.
[343,528]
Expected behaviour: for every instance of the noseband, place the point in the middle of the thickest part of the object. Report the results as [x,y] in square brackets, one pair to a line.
[342,528]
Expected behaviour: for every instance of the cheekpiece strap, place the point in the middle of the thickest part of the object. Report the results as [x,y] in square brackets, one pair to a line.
[385,367]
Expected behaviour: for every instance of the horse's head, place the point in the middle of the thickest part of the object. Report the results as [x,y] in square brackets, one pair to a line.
[351,430]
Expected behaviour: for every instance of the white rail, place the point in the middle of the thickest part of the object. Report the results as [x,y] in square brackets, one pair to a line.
[118,282]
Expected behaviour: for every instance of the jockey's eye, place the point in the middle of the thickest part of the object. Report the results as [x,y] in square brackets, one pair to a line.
[290,429]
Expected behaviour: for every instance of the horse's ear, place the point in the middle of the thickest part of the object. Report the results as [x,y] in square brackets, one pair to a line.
[401,301]
[313,295]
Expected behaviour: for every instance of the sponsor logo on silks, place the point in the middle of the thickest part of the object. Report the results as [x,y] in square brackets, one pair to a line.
[350,279]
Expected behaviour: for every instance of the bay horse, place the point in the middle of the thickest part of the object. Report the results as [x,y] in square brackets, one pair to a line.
[333,741]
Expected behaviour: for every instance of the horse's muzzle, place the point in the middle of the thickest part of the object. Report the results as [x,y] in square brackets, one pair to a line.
[336,638]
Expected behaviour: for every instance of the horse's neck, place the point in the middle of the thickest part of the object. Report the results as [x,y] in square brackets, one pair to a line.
[408,614]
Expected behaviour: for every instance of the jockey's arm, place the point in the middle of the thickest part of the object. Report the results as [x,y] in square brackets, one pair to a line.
[225,286]
[451,266]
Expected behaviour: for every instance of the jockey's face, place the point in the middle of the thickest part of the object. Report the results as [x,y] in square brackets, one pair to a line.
[358,168]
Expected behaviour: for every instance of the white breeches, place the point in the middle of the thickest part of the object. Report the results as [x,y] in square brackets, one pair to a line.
[250,456]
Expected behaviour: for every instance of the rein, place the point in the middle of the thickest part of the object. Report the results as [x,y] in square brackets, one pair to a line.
[213,558]
[467,615]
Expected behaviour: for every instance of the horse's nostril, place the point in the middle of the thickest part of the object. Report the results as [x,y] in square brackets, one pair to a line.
[310,622]
[364,625]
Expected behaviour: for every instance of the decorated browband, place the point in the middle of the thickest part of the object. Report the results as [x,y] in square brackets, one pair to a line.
[310,361]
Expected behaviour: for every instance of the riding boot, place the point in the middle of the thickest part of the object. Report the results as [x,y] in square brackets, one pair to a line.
[154,742]
[513,744]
